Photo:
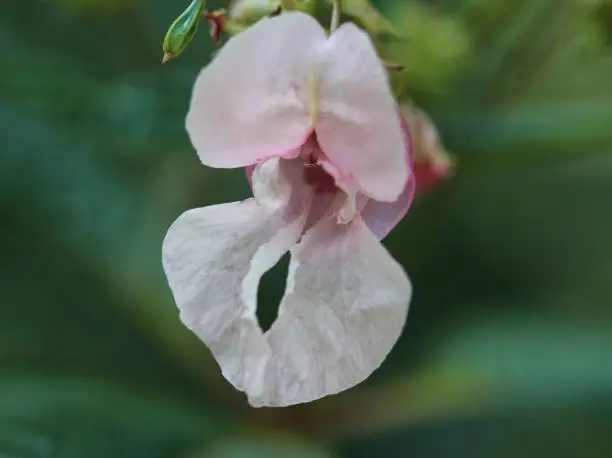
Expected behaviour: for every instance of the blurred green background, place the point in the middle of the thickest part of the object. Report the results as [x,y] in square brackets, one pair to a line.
[508,348]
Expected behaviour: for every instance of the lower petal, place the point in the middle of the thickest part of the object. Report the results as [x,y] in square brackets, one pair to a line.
[344,308]
[214,258]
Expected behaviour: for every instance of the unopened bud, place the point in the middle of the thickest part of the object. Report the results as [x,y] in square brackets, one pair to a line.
[368,16]
[432,163]
[182,30]
[248,12]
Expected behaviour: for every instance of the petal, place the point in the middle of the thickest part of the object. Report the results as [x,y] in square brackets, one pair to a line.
[344,308]
[251,101]
[214,258]
[358,127]
[324,195]
[381,217]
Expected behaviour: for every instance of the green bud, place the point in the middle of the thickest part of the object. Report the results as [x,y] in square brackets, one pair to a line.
[248,12]
[182,30]
[369,17]
[305,6]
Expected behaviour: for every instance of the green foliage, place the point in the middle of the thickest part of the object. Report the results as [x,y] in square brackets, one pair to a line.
[507,345]
[278,448]
[76,417]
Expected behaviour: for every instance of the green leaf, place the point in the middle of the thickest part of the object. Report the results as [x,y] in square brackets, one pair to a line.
[506,364]
[542,228]
[77,417]
[526,48]
[95,223]
[272,447]
[435,48]
[560,433]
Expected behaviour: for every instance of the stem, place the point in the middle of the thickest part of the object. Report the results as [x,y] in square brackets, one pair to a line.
[287,5]
[335,19]
[393,65]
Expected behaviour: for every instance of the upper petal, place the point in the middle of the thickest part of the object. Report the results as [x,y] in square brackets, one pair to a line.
[358,126]
[344,308]
[381,217]
[251,101]
[214,258]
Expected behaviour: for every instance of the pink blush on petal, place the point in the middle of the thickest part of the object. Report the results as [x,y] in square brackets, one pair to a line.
[289,154]
[248,170]
[382,217]
[429,175]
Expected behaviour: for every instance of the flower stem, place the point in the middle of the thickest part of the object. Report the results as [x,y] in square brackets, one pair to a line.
[287,5]
[335,19]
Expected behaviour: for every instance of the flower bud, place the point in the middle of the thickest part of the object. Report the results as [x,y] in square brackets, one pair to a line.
[248,12]
[432,163]
[305,6]
[182,30]
[369,17]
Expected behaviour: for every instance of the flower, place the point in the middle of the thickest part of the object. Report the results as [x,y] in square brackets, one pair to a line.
[313,119]
[432,163]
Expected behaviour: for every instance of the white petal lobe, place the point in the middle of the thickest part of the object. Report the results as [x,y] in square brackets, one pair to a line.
[251,102]
[344,308]
[214,258]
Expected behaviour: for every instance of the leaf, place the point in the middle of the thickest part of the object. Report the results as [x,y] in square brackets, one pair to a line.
[76,417]
[507,364]
[436,47]
[272,447]
[562,433]
[530,48]
[545,228]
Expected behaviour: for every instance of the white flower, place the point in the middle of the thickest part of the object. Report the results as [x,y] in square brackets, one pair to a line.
[315,117]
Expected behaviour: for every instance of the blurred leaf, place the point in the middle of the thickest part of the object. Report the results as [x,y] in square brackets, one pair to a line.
[505,365]
[562,433]
[526,45]
[97,218]
[545,228]
[271,447]
[70,417]
[553,132]
[435,48]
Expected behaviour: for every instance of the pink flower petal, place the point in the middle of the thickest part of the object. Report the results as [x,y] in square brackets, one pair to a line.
[251,102]
[357,125]
[344,308]
[382,217]
[215,256]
